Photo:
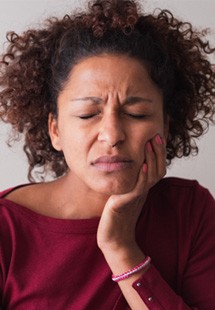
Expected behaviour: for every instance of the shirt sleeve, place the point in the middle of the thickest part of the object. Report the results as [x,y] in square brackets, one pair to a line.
[198,283]
[157,294]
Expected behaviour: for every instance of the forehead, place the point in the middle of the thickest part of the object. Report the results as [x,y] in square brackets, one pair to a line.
[105,60]
[111,69]
[110,76]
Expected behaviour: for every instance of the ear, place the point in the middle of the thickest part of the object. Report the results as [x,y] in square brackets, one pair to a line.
[54,132]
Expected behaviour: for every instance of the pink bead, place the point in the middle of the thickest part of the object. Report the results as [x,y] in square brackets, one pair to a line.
[132,271]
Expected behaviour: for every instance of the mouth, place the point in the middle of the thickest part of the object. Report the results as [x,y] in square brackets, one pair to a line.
[111,163]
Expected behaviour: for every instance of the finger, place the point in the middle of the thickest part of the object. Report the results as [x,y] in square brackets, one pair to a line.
[151,164]
[159,147]
[138,191]
[140,186]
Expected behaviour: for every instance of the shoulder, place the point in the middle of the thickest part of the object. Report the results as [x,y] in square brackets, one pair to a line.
[36,197]
[184,204]
[174,185]
[8,191]
[178,182]
[182,194]
[17,192]
[24,195]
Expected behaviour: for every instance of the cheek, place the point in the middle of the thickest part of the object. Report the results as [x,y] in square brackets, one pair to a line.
[76,148]
[69,144]
[144,135]
[139,146]
[157,127]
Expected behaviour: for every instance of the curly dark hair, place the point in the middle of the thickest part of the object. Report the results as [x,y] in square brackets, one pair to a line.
[37,63]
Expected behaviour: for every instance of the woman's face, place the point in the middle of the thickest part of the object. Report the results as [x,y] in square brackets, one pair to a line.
[107,111]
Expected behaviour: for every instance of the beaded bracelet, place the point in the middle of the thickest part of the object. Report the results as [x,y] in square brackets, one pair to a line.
[128,273]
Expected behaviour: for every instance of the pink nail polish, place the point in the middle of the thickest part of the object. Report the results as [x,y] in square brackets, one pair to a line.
[148,146]
[158,139]
[144,168]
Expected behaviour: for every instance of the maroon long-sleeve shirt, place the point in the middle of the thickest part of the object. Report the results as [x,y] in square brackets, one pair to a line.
[48,263]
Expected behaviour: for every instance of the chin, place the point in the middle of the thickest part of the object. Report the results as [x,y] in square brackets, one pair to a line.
[115,188]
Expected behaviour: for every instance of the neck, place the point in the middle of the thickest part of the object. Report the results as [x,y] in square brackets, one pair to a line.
[76,201]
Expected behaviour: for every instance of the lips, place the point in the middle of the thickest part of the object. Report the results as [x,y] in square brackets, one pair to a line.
[112,163]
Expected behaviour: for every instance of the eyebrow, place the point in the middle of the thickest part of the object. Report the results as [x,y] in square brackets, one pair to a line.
[128,101]
[132,100]
[94,99]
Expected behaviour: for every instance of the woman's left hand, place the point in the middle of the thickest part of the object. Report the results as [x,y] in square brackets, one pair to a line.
[116,231]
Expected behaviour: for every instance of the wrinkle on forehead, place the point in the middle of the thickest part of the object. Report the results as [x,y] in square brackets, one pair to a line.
[111,77]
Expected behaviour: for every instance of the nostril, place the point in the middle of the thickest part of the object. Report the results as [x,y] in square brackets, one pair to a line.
[112,137]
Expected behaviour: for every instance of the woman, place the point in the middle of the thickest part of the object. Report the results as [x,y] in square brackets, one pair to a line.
[104,98]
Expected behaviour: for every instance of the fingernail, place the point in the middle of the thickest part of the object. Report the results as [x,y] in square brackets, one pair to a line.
[158,139]
[148,146]
[144,168]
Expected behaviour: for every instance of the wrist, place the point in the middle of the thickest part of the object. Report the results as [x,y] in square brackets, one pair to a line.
[118,246]
[123,258]
[143,266]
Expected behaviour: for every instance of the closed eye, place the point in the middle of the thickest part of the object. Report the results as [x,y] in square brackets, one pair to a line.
[88,116]
[136,116]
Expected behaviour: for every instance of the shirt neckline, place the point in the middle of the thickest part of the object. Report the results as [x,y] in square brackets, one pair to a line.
[70,226]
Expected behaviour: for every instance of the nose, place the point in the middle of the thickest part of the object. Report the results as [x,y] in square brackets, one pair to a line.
[111,130]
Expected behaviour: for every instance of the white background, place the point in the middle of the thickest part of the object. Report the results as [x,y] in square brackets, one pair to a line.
[17,15]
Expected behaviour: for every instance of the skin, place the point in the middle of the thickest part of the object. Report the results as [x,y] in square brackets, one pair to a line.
[115,97]
[110,107]
[122,120]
